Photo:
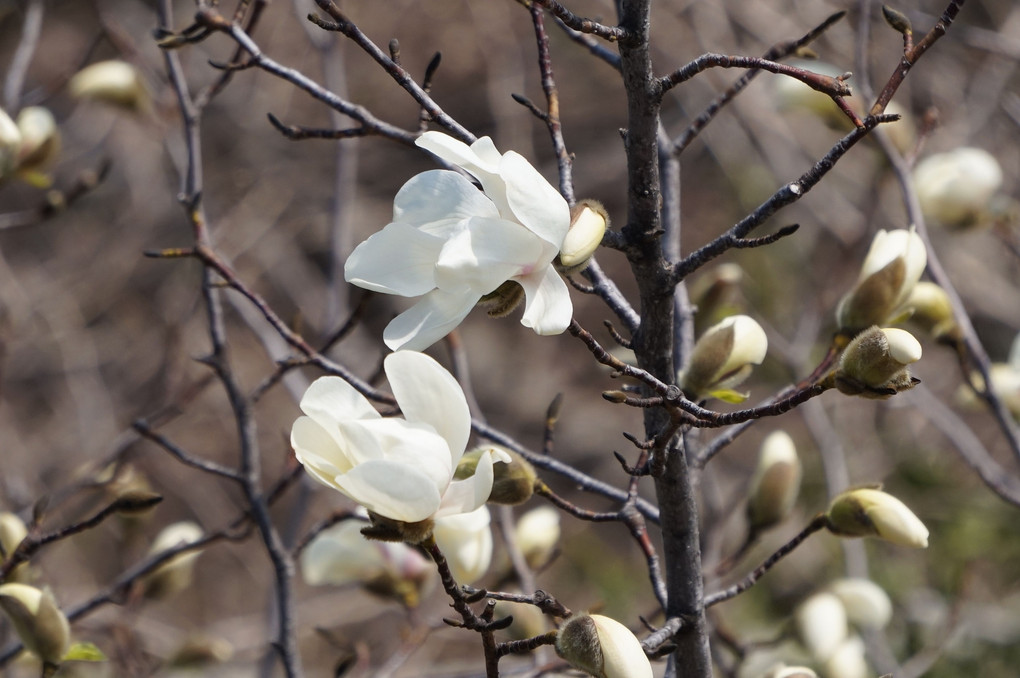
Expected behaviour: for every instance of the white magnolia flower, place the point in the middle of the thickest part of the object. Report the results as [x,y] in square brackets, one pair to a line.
[955,187]
[451,243]
[892,267]
[399,468]
[342,555]
[466,541]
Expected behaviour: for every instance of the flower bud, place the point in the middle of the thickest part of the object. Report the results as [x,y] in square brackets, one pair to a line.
[874,364]
[723,356]
[12,532]
[867,512]
[932,311]
[892,267]
[466,541]
[10,144]
[848,661]
[955,188]
[776,482]
[602,647]
[175,574]
[867,604]
[529,621]
[40,139]
[821,624]
[502,301]
[201,651]
[588,223]
[341,555]
[40,624]
[537,533]
[114,82]
[513,482]
[715,294]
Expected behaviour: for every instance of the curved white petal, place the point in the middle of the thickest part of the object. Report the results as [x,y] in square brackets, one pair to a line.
[427,393]
[341,555]
[534,202]
[548,309]
[467,495]
[466,541]
[332,398]
[486,254]
[428,321]
[400,259]
[317,451]
[391,489]
[399,441]
[439,195]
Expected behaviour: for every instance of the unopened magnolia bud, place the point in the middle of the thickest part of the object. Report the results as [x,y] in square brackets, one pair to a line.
[466,541]
[890,270]
[12,532]
[866,512]
[201,651]
[175,574]
[874,364]
[602,647]
[537,533]
[513,482]
[503,300]
[933,311]
[10,144]
[40,139]
[821,624]
[40,624]
[955,188]
[848,661]
[588,223]
[528,619]
[776,482]
[724,355]
[867,604]
[784,671]
[114,82]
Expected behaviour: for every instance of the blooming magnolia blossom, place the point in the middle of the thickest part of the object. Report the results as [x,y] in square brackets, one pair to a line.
[451,244]
[399,468]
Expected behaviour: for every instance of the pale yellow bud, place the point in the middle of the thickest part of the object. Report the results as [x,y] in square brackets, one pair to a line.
[776,482]
[588,223]
[821,624]
[932,311]
[724,355]
[537,533]
[868,512]
[40,138]
[10,144]
[113,82]
[176,574]
[892,267]
[955,188]
[874,364]
[848,661]
[513,481]
[40,624]
[602,647]
[12,532]
[867,604]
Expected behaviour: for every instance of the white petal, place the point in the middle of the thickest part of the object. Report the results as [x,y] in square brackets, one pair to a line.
[317,450]
[428,321]
[400,259]
[534,202]
[341,555]
[548,309]
[486,254]
[399,441]
[481,160]
[427,393]
[466,541]
[391,489]
[440,195]
[334,399]
[467,495]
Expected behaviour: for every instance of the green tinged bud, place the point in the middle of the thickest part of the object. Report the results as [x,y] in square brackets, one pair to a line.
[175,574]
[933,312]
[868,512]
[513,482]
[776,482]
[874,364]
[40,624]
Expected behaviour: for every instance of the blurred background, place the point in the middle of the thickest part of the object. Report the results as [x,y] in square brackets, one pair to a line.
[93,335]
